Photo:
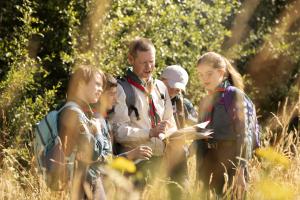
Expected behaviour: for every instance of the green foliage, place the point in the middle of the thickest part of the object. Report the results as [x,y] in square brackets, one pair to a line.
[37,41]
[40,40]
[180,31]
[268,53]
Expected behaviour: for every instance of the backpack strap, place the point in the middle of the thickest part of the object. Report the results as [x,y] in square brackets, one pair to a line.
[158,86]
[179,113]
[228,99]
[50,129]
[130,97]
[75,107]
[71,104]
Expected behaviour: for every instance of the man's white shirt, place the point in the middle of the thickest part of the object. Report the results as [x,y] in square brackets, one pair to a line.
[131,132]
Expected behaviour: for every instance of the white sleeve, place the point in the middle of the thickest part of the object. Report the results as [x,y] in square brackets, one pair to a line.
[125,132]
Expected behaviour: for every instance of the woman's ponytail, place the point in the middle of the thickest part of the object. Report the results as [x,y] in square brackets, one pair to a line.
[234,76]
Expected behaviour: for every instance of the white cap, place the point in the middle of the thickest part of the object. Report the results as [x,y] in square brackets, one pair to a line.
[176,76]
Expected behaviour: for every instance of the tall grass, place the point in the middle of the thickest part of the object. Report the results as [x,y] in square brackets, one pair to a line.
[274,172]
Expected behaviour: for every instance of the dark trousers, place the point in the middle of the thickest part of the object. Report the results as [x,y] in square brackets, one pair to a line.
[213,161]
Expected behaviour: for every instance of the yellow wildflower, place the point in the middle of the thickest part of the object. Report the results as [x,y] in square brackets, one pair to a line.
[273,190]
[122,164]
[273,157]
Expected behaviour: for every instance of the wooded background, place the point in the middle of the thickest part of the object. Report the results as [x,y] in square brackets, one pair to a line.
[41,40]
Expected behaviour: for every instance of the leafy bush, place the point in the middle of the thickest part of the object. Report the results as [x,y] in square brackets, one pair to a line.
[41,40]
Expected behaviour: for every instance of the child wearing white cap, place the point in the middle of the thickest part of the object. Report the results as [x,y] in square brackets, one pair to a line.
[176,78]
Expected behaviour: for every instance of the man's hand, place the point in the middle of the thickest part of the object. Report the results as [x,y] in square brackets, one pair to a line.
[160,128]
[140,152]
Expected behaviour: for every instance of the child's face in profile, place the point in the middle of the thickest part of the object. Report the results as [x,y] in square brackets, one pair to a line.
[210,77]
[93,89]
[109,97]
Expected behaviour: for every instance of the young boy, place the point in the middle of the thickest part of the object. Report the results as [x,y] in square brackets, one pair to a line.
[105,107]
[77,129]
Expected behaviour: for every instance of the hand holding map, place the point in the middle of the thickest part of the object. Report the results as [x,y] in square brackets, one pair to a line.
[194,132]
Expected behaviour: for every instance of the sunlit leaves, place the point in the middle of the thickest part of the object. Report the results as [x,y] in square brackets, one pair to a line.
[180,31]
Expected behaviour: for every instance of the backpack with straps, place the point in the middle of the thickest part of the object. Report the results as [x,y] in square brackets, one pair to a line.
[54,166]
[130,96]
[130,103]
[252,128]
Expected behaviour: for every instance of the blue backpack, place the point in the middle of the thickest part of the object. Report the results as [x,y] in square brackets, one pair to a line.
[251,123]
[55,167]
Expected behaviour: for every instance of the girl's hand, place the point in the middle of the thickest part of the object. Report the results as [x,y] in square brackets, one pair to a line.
[140,152]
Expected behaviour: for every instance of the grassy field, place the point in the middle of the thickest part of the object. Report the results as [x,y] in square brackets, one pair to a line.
[274,173]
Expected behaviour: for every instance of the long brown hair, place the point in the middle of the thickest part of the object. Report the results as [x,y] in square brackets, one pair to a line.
[219,62]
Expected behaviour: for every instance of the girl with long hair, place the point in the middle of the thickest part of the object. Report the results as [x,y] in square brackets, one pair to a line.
[223,152]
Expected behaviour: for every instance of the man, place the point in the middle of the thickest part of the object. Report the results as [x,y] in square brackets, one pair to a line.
[150,113]
[176,78]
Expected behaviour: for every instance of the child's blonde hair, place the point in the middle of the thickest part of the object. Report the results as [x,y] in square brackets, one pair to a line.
[82,73]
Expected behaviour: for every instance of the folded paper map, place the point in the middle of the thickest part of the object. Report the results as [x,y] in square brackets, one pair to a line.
[195,132]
